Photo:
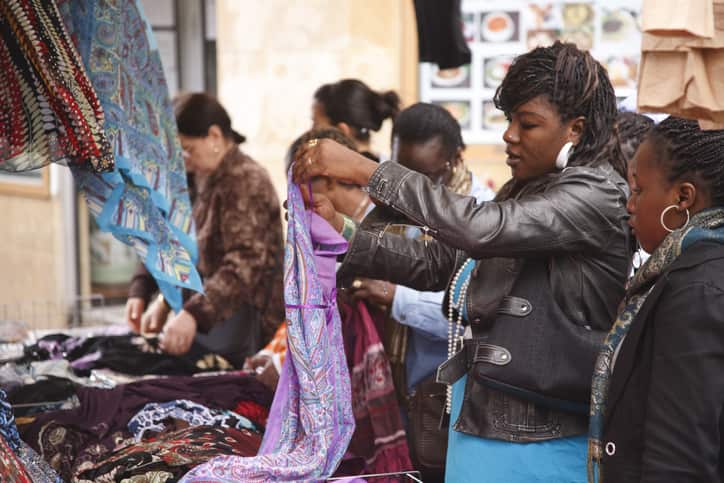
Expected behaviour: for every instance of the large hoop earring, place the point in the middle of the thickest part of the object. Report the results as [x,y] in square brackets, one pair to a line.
[564,155]
[663,213]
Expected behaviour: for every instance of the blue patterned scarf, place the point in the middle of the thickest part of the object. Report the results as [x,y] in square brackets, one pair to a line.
[706,225]
[144,201]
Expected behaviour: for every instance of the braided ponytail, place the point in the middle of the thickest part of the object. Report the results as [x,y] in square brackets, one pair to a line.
[693,154]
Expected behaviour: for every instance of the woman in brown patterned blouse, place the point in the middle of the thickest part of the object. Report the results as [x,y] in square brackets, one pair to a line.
[239,234]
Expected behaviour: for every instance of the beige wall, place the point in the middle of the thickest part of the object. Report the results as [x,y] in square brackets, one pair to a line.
[32,261]
[272,55]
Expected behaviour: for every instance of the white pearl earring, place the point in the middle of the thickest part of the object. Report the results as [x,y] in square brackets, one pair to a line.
[564,155]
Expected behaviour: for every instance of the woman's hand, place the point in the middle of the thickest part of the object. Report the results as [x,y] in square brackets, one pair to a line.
[324,207]
[178,334]
[155,317]
[376,291]
[134,310]
[324,157]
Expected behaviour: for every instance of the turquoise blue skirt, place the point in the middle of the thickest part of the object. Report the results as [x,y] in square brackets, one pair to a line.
[473,459]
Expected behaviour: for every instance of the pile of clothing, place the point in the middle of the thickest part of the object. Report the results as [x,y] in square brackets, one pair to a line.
[115,408]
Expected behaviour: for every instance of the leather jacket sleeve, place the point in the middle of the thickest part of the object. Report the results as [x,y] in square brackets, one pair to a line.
[579,210]
[375,253]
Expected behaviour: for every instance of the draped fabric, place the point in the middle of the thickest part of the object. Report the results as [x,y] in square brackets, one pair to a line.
[379,438]
[144,201]
[311,419]
[49,110]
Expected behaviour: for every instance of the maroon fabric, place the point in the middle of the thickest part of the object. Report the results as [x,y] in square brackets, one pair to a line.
[378,444]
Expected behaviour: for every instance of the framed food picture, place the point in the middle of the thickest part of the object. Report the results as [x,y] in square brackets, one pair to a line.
[618,25]
[470,27]
[500,26]
[497,32]
[451,78]
[493,118]
[494,70]
[460,110]
[622,71]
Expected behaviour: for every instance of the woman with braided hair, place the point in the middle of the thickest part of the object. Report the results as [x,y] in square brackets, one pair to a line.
[658,394]
[535,274]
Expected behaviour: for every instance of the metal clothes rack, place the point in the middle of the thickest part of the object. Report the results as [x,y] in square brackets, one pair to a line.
[405,476]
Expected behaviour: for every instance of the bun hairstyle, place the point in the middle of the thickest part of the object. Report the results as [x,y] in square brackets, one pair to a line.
[690,153]
[578,85]
[352,102]
[197,112]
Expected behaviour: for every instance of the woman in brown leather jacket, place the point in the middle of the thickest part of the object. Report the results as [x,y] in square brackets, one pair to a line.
[239,232]
[535,274]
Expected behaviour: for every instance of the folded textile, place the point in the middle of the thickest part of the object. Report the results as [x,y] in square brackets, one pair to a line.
[128,354]
[144,201]
[154,416]
[50,113]
[18,462]
[73,439]
[167,458]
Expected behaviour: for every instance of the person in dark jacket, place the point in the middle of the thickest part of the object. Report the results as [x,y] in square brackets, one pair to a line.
[658,391]
[536,274]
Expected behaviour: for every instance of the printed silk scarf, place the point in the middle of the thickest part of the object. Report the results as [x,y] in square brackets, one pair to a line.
[311,420]
[144,201]
[706,225]
[49,111]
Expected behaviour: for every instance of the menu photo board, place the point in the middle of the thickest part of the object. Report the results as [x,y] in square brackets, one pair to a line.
[497,33]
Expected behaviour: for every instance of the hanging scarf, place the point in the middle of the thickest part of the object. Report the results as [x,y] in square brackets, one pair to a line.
[311,420]
[378,444]
[50,112]
[706,225]
[144,202]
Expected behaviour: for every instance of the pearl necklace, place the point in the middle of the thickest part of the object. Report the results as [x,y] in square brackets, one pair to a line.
[454,326]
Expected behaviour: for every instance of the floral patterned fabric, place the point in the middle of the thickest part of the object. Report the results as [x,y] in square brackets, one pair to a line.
[153,417]
[144,201]
[311,419]
[50,112]
[18,462]
[167,458]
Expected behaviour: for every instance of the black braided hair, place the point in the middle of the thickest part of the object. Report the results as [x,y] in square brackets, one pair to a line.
[691,154]
[423,122]
[578,85]
[632,130]
[352,102]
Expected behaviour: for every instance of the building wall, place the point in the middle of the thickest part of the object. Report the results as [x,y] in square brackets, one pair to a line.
[32,261]
[272,56]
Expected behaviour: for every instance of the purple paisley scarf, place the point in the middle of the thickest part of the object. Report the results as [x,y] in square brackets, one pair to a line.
[311,420]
